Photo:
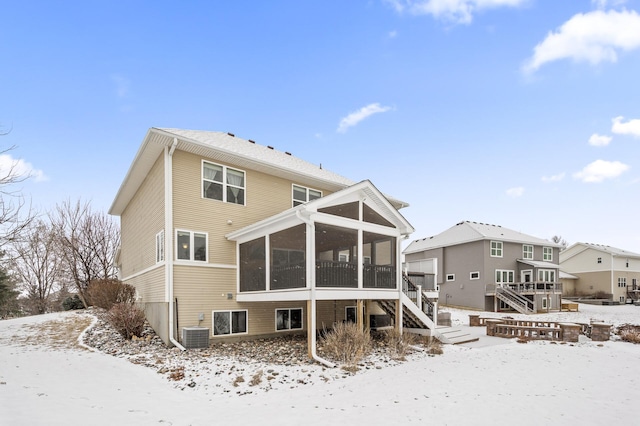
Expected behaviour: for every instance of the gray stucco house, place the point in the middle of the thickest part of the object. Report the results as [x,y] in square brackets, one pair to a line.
[491,268]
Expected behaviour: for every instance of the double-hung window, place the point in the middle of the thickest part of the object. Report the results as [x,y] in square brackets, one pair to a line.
[223,183]
[496,248]
[288,319]
[301,195]
[547,254]
[622,282]
[191,246]
[229,322]
[527,251]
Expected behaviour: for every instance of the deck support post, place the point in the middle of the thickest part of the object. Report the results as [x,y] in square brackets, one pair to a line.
[360,315]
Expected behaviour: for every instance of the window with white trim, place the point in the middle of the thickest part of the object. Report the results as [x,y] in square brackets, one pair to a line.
[527,251]
[288,319]
[191,246]
[504,276]
[599,260]
[496,248]
[544,302]
[547,275]
[301,194]
[451,277]
[160,246]
[623,299]
[229,322]
[222,183]
[622,282]
[547,254]
[474,275]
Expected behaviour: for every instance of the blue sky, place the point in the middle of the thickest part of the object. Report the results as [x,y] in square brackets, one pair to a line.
[520,113]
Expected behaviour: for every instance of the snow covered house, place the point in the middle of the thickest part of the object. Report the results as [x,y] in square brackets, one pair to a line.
[488,267]
[224,238]
[602,270]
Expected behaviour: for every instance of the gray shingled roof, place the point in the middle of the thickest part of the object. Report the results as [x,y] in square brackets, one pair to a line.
[467,231]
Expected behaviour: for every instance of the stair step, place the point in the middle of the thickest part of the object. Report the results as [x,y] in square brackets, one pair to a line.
[454,336]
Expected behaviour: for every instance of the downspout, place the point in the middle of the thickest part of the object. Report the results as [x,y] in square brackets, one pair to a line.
[168,235]
[311,328]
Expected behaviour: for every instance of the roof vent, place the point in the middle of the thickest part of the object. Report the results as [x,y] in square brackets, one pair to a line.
[288,153]
[269,146]
[231,134]
[252,141]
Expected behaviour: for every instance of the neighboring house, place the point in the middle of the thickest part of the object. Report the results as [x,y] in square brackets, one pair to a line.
[488,267]
[223,233]
[602,271]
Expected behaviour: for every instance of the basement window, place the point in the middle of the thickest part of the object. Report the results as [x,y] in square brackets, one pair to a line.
[288,319]
[229,322]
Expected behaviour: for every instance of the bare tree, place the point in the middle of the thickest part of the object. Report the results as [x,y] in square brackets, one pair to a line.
[559,240]
[37,264]
[15,214]
[88,242]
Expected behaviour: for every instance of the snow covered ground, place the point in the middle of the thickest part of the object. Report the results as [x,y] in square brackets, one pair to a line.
[46,379]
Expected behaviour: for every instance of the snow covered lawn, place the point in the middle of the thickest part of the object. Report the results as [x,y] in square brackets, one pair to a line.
[46,378]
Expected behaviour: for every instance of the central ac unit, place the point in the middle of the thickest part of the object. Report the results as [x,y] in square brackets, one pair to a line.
[195,337]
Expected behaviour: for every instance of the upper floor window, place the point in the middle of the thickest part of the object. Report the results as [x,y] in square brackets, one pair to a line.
[222,183]
[527,251]
[599,260]
[504,276]
[160,246]
[302,195]
[547,254]
[191,246]
[451,277]
[496,248]
[474,275]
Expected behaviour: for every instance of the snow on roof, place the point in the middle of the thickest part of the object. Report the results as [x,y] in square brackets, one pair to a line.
[226,147]
[611,250]
[250,150]
[467,231]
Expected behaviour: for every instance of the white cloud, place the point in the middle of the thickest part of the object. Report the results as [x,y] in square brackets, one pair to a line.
[457,11]
[392,34]
[599,140]
[357,116]
[553,178]
[593,37]
[602,4]
[631,127]
[516,192]
[600,170]
[19,169]
[122,85]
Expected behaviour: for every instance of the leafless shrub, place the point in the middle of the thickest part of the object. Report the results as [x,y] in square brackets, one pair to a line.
[126,319]
[105,293]
[347,344]
[237,381]
[629,333]
[433,346]
[398,343]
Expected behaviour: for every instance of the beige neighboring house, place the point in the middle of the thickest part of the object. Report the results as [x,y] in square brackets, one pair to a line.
[224,238]
[601,270]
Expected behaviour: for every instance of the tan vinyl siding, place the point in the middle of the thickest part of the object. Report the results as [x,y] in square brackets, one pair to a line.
[330,312]
[141,221]
[150,285]
[265,196]
[593,282]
